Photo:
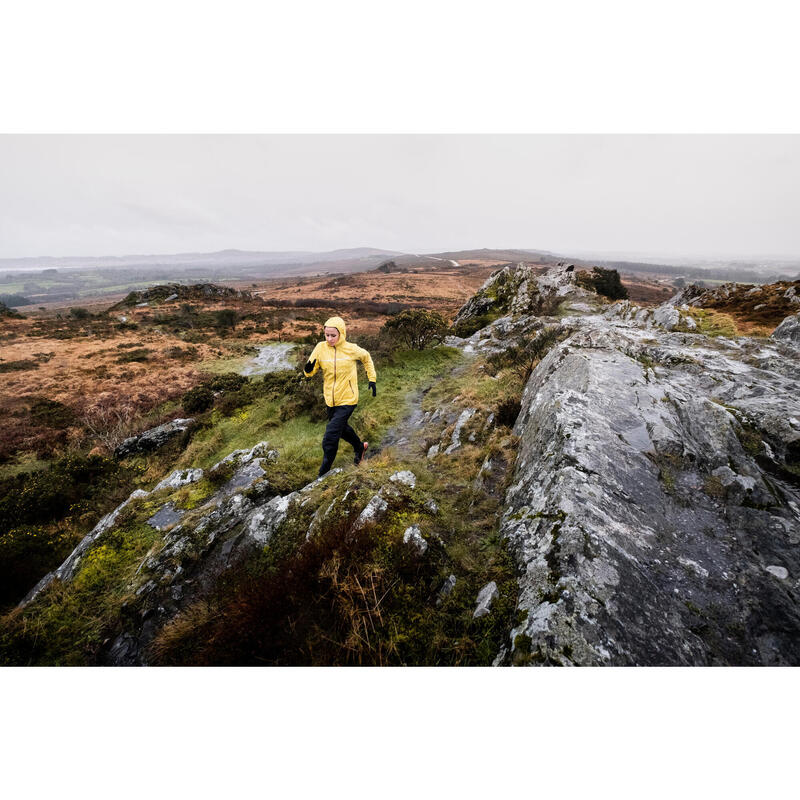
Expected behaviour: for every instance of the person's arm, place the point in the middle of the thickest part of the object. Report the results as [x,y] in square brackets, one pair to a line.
[366,359]
[312,365]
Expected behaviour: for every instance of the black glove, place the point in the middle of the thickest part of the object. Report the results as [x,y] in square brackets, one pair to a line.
[372,386]
[310,365]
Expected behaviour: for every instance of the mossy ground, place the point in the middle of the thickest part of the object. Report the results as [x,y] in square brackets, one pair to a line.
[299,440]
[365,597]
[368,598]
[720,323]
[68,623]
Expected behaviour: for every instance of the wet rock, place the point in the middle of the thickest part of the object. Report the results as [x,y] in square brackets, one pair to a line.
[165,517]
[152,439]
[779,572]
[500,657]
[374,511]
[635,509]
[431,506]
[181,477]
[413,537]
[404,477]
[447,587]
[463,419]
[666,316]
[262,450]
[484,600]
[264,521]
[788,331]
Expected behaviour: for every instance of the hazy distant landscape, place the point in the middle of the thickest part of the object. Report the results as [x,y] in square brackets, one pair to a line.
[41,281]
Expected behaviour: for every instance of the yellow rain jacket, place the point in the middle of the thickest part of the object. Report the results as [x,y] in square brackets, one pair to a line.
[338,365]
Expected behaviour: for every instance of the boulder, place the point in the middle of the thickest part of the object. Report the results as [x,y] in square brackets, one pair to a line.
[152,439]
[788,332]
[483,603]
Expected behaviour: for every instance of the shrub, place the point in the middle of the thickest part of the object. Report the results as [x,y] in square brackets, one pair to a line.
[299,395]
[467,327]
[5,311]
[18,366]
[138,355]
[226,318]
[79,313]
[48,494]
[523,358]
[418,328]
[197,400]
[605,282]
[11,300]
[228,382]
[51,413]
[29,552]
[183,354]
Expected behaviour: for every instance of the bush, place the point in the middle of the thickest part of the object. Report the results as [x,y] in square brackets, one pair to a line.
[51,413]
[418,328]
[48,494]
[226,318]
[197,400]
[605,282]
[299,394]
[182,354]
[524,357]
[27,553]
[18,366]
[138,355]
[5,311]
[467,327]
[11,300]
[79,313]
[228,382]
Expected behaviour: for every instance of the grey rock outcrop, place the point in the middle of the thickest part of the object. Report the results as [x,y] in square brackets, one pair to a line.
[463,419]
[523,291]
[181,477]
[446,589]
[653,487]
[483,603]
[788,331]
[152,439]
[413,537]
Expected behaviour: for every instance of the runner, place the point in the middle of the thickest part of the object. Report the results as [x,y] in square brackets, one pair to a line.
[337,357]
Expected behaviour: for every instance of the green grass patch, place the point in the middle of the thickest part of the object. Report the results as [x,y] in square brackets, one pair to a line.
[299,440]
[714,323]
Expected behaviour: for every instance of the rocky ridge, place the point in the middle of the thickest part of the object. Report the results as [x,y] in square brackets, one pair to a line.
[653,511]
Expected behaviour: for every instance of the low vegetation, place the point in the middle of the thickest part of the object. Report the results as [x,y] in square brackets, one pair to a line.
[605,282]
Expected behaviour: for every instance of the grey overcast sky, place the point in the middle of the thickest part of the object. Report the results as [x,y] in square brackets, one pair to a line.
[710,196]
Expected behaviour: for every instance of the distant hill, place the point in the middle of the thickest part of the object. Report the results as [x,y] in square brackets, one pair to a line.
[221,258]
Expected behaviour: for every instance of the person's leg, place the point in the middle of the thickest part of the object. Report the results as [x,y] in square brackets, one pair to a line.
[337,421]
[353,439]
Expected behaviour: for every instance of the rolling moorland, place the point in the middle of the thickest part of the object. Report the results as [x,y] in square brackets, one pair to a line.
[478,531]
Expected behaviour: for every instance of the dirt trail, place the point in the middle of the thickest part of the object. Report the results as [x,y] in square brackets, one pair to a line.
[402,435]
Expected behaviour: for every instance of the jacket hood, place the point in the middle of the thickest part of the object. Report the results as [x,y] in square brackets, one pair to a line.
[338,323]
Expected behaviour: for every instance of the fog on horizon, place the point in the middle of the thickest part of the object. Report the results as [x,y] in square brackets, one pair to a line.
[725,196]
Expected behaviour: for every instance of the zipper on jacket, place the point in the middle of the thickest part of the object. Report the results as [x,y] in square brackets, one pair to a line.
[333,392]
[352,391]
